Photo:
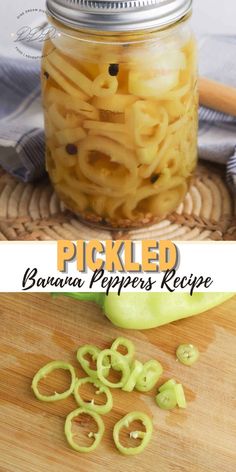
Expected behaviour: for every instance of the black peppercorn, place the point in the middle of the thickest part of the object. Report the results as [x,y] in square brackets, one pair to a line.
[113,69]
[71,149]
[104,222]
[154,178]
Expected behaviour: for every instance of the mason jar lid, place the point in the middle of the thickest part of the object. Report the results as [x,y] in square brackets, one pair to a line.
[118,15]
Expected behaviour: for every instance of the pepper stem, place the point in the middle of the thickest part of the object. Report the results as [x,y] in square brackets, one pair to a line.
[95,297]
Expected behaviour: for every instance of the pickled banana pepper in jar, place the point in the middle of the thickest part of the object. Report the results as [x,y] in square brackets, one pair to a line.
[120,100]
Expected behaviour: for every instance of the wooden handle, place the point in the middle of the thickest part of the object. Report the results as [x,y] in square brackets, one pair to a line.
[218,96]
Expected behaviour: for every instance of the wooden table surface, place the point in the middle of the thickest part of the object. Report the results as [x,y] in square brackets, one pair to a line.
[36,329]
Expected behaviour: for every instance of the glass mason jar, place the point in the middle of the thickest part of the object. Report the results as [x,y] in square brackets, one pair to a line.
[120,102]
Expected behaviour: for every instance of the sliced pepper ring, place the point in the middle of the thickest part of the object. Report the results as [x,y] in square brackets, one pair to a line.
[152,370]
[180,396]
[166,400]
[46,370]
[97,436]
[171,394]
[136,370]
[116,360]
[169,384]
[94,351]
[187,354]
[129,346]
[102,409]
[144,435]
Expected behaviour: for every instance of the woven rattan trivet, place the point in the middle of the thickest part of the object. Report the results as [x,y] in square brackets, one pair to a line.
[33,212]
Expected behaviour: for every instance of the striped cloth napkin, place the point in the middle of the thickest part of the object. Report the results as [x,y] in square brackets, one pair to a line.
[217,131]
[21,121]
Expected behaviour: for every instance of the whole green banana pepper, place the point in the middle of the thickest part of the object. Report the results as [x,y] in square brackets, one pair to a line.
[150,310]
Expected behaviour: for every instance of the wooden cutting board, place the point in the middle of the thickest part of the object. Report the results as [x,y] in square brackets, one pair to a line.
[36,329]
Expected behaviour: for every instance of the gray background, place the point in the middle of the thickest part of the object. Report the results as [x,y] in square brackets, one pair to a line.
[210,16]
